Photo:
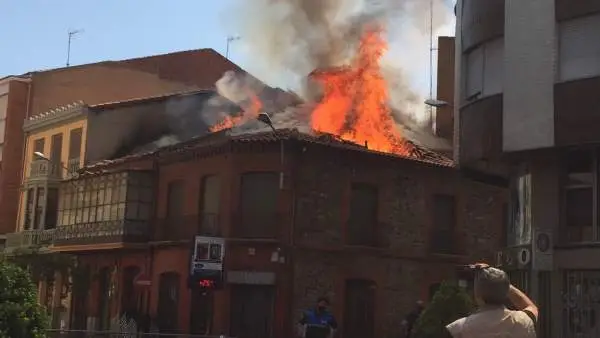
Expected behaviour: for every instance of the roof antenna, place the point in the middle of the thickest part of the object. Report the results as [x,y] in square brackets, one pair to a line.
[71,34]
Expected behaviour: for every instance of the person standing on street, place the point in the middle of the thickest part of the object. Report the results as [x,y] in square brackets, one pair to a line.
[318,322]
[411,319]
[493,319]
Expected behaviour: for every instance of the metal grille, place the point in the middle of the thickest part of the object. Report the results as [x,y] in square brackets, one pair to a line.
[581,303]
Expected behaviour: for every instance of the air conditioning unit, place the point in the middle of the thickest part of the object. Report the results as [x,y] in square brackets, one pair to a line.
[514,258]
[542,250]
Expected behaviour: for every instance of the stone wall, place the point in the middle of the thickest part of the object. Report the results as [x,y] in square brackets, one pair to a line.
[403,267]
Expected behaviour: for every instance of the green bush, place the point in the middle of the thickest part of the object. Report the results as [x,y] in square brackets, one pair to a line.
[20,314]
[449,303]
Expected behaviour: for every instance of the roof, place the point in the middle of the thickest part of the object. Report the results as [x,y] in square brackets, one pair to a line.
[414,152]
[148,99]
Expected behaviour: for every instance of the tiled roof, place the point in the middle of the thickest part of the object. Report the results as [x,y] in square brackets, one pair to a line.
[139,100]
[414,152]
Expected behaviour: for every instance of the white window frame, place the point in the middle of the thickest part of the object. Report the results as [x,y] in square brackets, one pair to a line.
[478,72]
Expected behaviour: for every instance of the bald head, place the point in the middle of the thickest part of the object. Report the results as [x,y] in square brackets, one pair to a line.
[491,286]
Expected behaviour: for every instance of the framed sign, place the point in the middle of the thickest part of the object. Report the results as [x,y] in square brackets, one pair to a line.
[206,264]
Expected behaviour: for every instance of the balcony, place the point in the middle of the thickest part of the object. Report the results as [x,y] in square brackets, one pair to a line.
[45,170]
[443,243]
[73,166]
[29,239]
[369,235]
[185,227]
[105,232]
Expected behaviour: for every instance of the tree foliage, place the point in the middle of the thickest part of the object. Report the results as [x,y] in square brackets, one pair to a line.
[449,303]
[20,314]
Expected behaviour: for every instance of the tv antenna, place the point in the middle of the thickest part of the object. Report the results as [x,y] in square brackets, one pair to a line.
[431,50]
[230,39]
[72,33]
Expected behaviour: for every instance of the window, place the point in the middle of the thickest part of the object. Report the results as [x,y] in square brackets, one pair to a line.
[56,148]
[38,147]
[520,207]
[38,211]
[444,224]
[75,140]
[579,48]
[362,223]
[359,309]
[578,192]
[581,316]
[484,69]
[258,206]
[51,208]
[29,199]
[175,199]
[210,194]
[90,200]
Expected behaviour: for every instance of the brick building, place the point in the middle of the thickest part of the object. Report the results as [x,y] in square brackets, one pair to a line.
[31,94]
[301,216]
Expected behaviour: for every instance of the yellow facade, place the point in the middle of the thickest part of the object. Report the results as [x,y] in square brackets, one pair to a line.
[46,133]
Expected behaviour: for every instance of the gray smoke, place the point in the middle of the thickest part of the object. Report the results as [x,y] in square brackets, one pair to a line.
[288,39]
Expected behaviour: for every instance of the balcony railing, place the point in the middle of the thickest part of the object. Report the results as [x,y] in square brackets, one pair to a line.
[120,231]
[29,239]
[73,165]
[185,227]
[44,169]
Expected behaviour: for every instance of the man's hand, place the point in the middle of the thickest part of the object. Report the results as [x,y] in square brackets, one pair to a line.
[479,266]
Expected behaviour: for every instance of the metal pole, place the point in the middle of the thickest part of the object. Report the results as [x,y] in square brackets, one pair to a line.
[71,34]
[431,59]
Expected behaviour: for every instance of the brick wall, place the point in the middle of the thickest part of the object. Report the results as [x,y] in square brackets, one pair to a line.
[404,269]
[12,157]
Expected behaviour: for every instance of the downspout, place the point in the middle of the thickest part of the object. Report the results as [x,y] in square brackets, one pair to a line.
[154,222]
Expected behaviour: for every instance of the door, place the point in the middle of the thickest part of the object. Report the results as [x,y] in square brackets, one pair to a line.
[201,315]
[252,311]
[168,302]
[104,299]
[359,309]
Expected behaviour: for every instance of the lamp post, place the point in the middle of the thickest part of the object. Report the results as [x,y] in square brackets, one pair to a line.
[436,103]
[266,119]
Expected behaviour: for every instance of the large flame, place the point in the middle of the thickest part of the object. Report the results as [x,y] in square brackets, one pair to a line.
[355,103]
[251,112]
[355,100]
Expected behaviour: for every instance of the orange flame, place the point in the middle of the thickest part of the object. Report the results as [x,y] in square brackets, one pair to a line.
[249,113]
[355,100]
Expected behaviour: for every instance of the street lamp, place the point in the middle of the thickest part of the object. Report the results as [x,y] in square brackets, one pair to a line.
[436,103]
[266,119]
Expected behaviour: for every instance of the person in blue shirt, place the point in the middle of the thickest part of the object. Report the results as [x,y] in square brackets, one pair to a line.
[318,322]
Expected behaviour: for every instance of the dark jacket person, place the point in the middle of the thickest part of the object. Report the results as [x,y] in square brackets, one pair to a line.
[318,322]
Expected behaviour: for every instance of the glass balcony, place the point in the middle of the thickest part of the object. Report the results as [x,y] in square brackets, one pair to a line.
[120,231]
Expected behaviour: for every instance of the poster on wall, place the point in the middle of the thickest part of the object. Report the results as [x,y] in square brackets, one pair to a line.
[206,264]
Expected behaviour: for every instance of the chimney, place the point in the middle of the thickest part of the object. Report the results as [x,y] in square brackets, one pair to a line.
[444,117]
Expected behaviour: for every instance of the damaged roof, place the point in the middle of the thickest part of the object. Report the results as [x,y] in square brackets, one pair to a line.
[413,152]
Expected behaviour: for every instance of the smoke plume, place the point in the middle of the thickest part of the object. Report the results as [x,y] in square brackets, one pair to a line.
[288,39]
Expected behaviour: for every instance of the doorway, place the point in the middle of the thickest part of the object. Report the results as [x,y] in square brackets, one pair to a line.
[252,308]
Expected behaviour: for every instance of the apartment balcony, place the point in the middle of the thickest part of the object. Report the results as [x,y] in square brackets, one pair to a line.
[29,239]
[185,227]
[45,170]
[106,232]
[367,235]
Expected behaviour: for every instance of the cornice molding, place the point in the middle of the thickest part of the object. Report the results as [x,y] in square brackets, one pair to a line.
[55,116]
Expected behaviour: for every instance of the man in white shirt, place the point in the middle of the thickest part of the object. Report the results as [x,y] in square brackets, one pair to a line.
[493,319]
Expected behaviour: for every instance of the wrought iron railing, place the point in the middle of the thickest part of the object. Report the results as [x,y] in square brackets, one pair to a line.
[45,169]
[118,231]
[256,225]
[371,235]
[73,166]
[29,238]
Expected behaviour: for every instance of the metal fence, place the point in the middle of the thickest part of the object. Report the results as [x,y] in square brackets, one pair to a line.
[109,334]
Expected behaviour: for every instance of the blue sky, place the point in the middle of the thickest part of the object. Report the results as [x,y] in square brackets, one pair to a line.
[34,32]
